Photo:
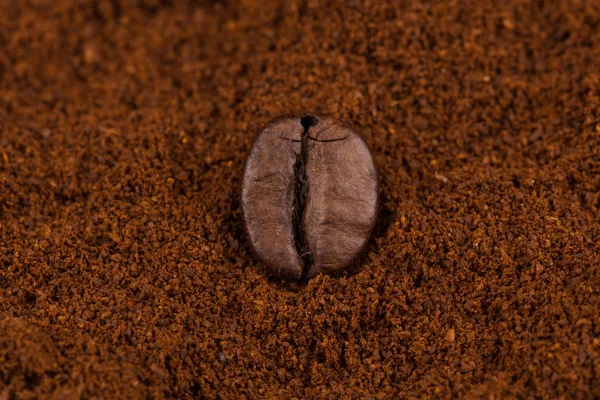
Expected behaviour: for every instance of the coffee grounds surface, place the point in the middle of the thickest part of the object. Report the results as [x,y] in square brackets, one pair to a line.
[124,268]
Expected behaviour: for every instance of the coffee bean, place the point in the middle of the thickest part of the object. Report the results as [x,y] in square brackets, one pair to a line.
[309,196]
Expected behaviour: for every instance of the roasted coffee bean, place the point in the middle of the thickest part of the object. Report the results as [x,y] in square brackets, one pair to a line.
[309,196]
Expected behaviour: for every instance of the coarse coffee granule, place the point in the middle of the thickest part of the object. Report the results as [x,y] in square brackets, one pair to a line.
[124,268]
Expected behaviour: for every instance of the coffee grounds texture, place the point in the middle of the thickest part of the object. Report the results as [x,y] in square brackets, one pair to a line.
[124,268]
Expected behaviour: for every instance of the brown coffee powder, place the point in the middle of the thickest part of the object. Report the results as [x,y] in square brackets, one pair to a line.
[124,269]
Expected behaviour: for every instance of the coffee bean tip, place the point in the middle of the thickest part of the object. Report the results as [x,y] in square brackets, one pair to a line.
[308,120]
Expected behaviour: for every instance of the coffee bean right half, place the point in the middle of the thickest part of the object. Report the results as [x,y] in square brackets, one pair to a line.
[309,196]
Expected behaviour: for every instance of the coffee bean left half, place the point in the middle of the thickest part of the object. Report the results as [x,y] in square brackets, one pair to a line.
[309,196]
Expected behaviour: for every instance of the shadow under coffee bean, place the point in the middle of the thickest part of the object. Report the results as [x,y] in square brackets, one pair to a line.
[309,196]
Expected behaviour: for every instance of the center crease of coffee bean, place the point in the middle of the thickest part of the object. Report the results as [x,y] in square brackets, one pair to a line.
[301,188]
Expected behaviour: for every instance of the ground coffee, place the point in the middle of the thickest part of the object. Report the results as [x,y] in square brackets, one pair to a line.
[309,196]
[124,269]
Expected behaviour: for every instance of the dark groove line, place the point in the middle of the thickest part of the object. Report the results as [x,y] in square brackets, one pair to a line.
[300,195]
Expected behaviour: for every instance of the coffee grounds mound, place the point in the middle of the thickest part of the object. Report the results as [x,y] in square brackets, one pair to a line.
[124,268]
